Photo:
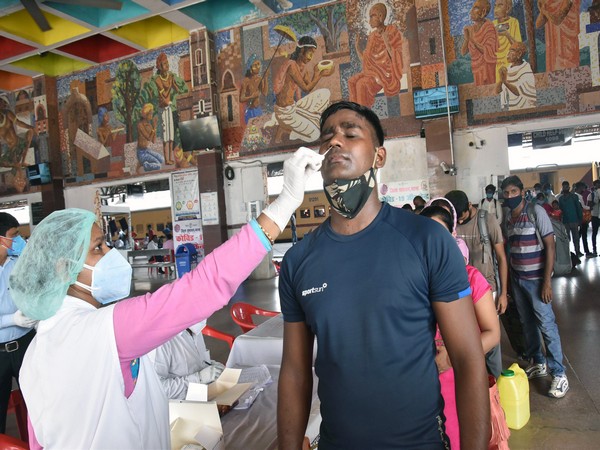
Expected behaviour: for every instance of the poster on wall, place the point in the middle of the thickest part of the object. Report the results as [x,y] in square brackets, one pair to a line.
[186,211]
[189,232]
[210,208]
[185,195]
[397,193]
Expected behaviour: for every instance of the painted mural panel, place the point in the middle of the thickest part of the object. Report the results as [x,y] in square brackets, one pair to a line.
[121,119]
[522,59]
[23,138]
[276,77]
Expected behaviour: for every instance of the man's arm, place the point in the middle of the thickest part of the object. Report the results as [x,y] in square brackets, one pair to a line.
[295,385]
[462,339]
[548,268]
[503,274]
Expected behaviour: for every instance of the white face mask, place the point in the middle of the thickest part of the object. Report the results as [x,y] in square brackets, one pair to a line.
[111,278]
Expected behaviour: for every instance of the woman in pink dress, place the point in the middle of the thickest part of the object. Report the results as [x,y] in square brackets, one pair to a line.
[485,311]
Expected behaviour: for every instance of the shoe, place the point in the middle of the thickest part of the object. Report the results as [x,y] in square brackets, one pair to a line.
[589,255]
[536,371]
[559,386]
[579,254]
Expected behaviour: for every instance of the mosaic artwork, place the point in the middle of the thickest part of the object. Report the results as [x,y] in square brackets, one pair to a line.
[521,60]
[23,139]
[277,77]
[122,118]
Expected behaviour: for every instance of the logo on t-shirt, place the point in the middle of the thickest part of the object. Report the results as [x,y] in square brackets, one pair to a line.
[314,290]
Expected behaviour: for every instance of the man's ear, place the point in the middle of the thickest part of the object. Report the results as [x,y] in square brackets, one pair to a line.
[381,157]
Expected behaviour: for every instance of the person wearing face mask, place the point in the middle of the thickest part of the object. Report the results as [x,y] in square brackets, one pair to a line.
[86,377]
[531,263]
[16,329]
[572,214]
[369,284]
[491,204]
[184,360]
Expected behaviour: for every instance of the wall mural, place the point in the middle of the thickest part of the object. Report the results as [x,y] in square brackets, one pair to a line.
[23,138]
[120,119]
[277,77]
[523,59]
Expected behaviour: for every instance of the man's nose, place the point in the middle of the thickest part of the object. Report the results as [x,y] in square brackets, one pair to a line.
[337,140]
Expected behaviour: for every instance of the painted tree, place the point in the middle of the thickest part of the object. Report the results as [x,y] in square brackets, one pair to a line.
[330,22]
[125,94]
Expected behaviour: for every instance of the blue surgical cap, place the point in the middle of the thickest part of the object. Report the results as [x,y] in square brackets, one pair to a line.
[49,264]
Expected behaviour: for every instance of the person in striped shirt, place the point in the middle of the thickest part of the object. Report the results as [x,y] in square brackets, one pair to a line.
[531,259]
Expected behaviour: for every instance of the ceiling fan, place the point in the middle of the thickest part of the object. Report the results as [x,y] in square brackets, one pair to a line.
[36,14]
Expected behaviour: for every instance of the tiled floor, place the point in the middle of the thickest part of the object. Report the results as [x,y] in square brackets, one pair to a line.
[569,423]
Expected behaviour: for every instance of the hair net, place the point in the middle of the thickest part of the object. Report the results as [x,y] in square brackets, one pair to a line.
[52,259]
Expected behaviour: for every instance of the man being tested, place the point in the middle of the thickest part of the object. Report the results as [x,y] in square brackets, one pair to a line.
[378,383]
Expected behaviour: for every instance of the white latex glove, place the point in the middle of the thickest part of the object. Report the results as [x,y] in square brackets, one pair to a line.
[296,170]
[208,374]
[21,320]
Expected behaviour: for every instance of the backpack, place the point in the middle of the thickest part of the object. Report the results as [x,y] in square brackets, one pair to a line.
[484,238]
[562,255]
[495,206]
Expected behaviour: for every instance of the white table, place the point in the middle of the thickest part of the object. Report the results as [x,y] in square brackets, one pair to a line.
[256,428]
[261,345]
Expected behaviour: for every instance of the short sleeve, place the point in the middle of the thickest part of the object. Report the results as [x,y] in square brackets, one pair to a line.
[479,285]
[290,307]
[447,274]
[494,230]
[543,222]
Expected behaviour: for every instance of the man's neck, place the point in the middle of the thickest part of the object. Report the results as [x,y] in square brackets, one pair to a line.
[363,219]
[3,258]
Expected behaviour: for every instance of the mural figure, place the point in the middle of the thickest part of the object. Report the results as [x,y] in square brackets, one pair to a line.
[381,60]
[253,86]
[481,42]
[146,127]
[507,28]
[17,146]
[169,86]
[517,83]
[299,116]
[561,21]
[104,132]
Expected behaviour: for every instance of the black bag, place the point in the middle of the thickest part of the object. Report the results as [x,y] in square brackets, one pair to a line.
[514,330]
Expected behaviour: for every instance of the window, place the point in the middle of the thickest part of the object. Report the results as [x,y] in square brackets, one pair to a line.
[229,108]
[319,211]
[199,57]
[432,45]
[305,213]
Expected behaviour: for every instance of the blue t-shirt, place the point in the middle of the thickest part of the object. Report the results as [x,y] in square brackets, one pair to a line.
[367,298]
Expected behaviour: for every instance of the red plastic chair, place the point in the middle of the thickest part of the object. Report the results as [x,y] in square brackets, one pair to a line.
[214,333]
[11,443]
[241,313]
[16,404]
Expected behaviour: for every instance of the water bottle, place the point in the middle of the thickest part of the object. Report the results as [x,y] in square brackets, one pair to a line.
[513,387]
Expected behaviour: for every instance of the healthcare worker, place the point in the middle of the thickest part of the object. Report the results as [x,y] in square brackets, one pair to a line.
[85,379]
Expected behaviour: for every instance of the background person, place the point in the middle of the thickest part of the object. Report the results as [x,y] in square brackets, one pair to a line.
[15,328]
[485,311]
[531,264]
[184,359]
[594,203]
[485,256]
[97,356]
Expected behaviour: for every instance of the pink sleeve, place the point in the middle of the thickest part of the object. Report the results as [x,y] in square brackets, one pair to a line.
[143,323]
[479,285]
[33,443]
